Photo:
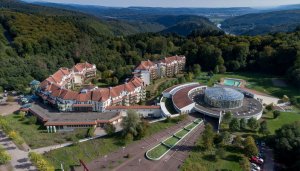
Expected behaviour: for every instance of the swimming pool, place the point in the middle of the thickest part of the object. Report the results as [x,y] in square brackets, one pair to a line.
[232,82]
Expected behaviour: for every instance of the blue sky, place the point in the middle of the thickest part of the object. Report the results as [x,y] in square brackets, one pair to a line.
[179,3]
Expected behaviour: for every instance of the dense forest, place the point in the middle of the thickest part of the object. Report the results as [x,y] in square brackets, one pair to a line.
[35,43]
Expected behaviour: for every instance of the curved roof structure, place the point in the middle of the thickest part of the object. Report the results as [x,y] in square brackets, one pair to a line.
[223,94]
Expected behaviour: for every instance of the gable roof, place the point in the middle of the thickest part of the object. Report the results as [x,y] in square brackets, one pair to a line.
[145,65]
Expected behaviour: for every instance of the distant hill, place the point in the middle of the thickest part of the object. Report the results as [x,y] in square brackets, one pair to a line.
[186,24]
[182,21]
[263,23]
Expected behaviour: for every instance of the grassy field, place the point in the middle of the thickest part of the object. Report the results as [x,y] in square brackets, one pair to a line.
[36,136]
[207,159]
[284,118]
[87,151]
[171,141]
[259,82]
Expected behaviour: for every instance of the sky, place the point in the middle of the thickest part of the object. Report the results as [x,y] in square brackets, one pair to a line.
[178,3]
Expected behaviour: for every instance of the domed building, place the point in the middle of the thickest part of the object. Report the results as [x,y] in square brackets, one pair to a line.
[222,97]
[211,101]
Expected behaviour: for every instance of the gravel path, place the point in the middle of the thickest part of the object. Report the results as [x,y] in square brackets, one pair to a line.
[20,160]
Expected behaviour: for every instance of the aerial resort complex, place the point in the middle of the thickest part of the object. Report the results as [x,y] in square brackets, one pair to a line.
[121,86]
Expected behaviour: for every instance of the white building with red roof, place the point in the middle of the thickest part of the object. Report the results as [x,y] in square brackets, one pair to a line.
[55,90]
[167,67]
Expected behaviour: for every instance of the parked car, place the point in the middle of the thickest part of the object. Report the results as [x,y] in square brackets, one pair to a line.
[26,106]
[255,160]
[254,166]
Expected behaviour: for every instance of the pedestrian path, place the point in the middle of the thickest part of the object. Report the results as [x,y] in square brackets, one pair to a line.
[20,160]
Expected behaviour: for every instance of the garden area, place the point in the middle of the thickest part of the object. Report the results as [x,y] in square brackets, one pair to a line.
[161,149]
[275,123]
[35,135]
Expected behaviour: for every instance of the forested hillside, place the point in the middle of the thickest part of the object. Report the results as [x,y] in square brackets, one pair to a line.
[263,23]
[33,45]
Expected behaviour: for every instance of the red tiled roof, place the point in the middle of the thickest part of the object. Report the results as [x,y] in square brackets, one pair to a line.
[81,66]
[68,94]
[53,123]
[145,65]
[171,59]
[181,98]
[84,97]
[131,107]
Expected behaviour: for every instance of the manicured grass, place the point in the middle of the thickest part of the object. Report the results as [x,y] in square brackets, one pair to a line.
[36,135]
[284,118]
[259,82]
[158,151]
[170,107]
[191,126]
[171,141]
[199,158]
[181,133]
[90,150]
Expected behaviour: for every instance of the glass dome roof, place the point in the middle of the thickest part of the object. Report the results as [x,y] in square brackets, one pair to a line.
[223,94]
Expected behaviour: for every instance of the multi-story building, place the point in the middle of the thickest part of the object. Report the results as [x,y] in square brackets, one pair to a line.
[56,91]
[147,71]
[167,67]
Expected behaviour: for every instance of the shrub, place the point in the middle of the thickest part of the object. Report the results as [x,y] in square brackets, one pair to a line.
[41,163]
[10,99]
[109,129]
[32,120]
[276,113]
[4,156]
[91,132]
[269,107]
[15,137]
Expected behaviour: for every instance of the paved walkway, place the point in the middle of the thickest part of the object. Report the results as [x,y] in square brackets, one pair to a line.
[7,108]
[136,150]
[20,160]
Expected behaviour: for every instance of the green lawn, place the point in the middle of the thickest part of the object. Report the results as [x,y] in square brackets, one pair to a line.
[36,136]
[181,133]
[157,151]
[259,82]
[199,158]
[171,141]
[191,126]
[284,118]
[87,151]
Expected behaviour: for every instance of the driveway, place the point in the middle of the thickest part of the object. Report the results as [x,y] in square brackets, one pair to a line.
[269,160]
[20,160]
[7,108]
